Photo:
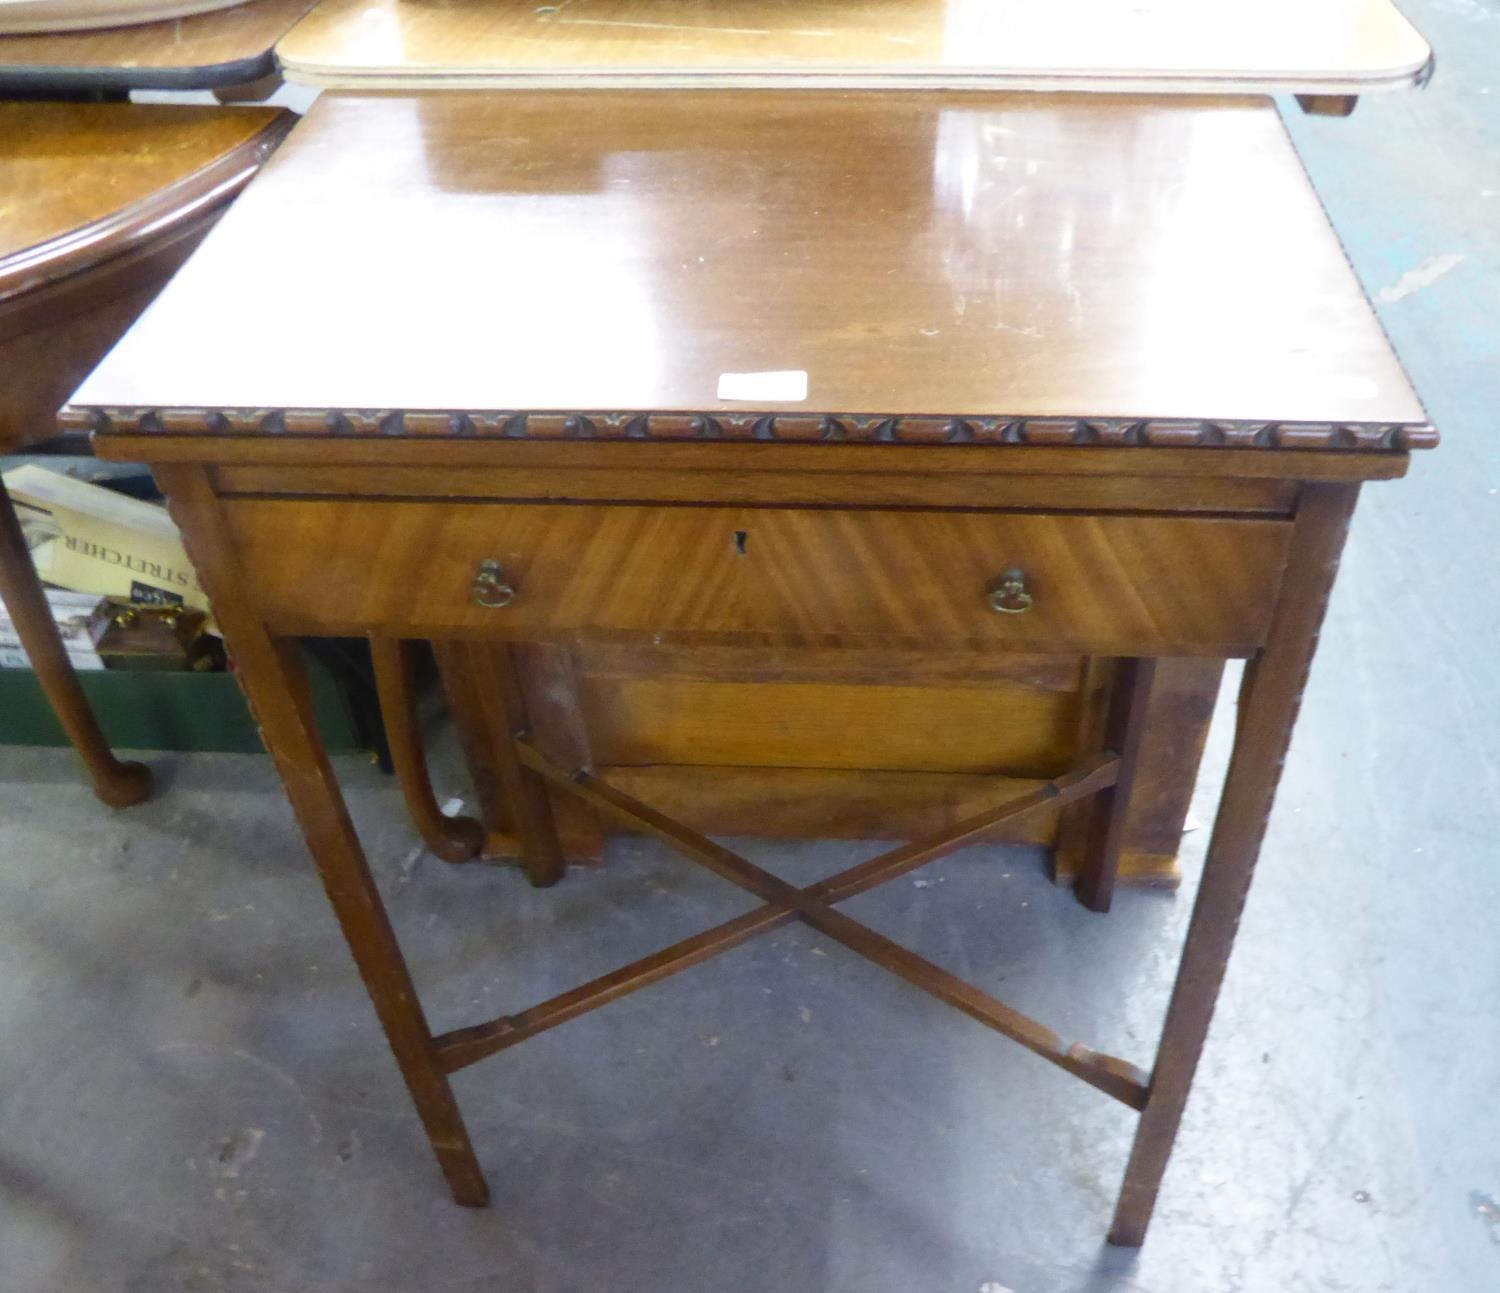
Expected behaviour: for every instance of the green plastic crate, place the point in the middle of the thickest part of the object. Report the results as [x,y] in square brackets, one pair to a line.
[171,711]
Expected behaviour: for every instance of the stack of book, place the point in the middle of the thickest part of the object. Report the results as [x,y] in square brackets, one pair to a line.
[122,591]
[92,540]
[135,622]
[81,620]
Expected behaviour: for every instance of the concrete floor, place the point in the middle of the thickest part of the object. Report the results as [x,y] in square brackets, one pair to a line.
[194,1094]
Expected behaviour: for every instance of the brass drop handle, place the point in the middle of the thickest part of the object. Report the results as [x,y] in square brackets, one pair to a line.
[490,587]
[1009,594]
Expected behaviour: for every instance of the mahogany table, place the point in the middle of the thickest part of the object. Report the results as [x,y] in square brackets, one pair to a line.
[212,51]
[1012,377]
[752,737]
[103,203]
[1334,48]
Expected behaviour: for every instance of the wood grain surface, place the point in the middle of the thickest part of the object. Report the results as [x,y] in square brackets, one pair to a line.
[1107,584]
[850,743]
[99,205]
[788,482]
[81,182]
[1030,258]
[847,718]
[1256,45]
[1270,698]
[52,337]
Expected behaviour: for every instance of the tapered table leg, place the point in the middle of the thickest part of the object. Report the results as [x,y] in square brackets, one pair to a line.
[488,707]
[116,783]
[454,839]
[1125,731]
[1269,701]
[275,683]
[477,739]
[493,674]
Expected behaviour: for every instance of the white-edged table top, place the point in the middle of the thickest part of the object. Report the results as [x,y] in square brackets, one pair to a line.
[1236,46]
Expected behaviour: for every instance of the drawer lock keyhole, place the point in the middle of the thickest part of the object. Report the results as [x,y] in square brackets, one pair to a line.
[491,589]
[1009,594]
[741,538]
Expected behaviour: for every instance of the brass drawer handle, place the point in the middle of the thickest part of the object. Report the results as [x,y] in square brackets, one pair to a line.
[490,588]
[1009,594]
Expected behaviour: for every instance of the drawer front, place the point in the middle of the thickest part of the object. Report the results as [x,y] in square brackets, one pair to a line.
[1106,584]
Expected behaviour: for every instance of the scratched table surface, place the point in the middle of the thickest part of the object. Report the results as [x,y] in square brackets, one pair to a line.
[1308,46]
[1029,255]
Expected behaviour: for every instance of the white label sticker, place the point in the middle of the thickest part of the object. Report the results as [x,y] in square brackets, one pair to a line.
[780,387]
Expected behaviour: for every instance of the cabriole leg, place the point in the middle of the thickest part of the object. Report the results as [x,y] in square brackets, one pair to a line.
[116,783]
[454,839]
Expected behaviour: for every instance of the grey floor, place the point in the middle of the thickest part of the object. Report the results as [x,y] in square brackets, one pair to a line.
[194,1095]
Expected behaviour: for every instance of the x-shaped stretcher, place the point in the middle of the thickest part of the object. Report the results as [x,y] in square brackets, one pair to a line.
[815,905]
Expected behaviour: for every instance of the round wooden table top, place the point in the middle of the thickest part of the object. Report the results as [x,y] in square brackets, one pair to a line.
[82,182]
[99,203]
[207,51]
[28,16]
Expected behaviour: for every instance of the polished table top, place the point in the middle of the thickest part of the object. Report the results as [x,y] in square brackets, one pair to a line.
[1024,256]
[80,182]
[99,203]
[1328,46]
[206,51]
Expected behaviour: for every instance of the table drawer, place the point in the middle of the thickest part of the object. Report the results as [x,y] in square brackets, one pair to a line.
[1108,584]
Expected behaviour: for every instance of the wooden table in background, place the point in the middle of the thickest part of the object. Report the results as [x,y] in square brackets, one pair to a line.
[1312,47]
[102,203]
[224,50]
[1088,379]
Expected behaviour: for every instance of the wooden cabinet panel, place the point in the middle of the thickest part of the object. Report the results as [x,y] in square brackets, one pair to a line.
[989,727]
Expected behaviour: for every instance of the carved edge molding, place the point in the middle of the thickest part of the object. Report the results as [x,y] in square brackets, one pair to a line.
[783,427]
